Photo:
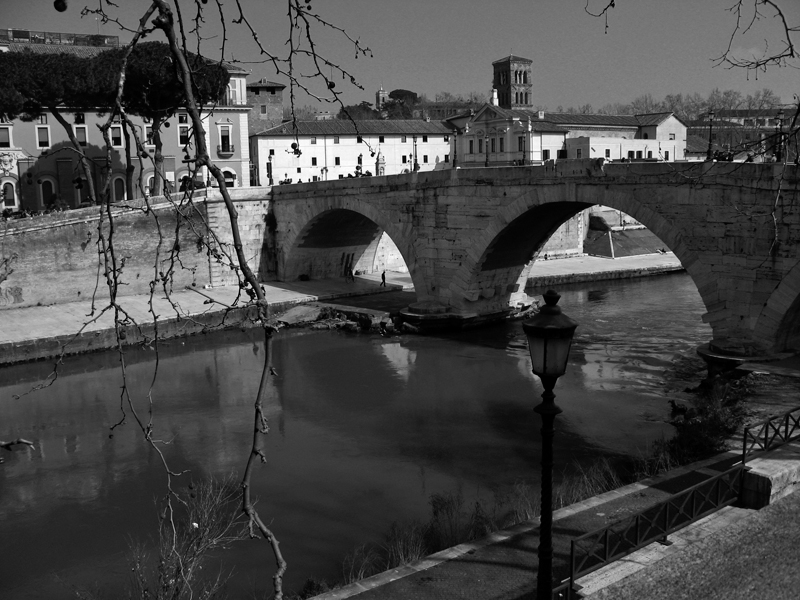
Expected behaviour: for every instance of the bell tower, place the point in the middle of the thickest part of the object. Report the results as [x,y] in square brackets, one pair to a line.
[512,80]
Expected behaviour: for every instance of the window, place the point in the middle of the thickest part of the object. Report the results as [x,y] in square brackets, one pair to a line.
[672,136]
[315,178]
[263,109]
[5,137]
[608,152]
[358,139]
[446,138]
[380,139]
[313,161]
[80,118]
[521,144]
[480,145]
[81,135]
[336,139]
[578,153]
[257,92]
[545,154]
[225,138]
[666,155]
[471,147]
[646,136]
[638,154]
[649,154]
[493,150]
[360,159]
[425,158]
[502,145]
[403,139]
[116,136]
[313,140]
[341,176]
[9,197]
[46,192]
[630,153]
[43,137]
[299,169]
[183,134]
[403,159]
[336,161]
[424,138]
[272,151]
[42,119]
[447,158]
[183,118]
[119,189]
[148,135]
[561,154]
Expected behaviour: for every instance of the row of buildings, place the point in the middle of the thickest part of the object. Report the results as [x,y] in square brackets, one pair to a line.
[253,146]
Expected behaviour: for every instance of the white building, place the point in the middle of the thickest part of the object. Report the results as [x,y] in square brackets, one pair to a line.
[495,136]
[323,150]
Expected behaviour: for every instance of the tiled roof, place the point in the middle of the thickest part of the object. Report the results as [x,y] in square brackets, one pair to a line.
[537,124]
[511,57]
[696,145]
[265,83]
[346,127]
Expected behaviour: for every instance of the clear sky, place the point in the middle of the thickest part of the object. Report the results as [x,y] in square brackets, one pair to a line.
[427,46]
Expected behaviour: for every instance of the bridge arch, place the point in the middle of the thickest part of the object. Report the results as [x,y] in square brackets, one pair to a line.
[488,277]
[330,235]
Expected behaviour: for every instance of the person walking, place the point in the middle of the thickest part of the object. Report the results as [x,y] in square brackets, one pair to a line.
[383,279]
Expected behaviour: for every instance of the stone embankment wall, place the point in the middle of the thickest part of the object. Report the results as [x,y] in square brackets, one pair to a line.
[52,259]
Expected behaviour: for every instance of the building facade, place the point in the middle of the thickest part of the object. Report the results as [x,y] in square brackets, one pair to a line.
[39,169]
[323,150]
[266,98]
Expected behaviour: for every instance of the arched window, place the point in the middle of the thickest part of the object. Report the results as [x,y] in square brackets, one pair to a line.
[9,196]
[47,191]
[645,136]
[151,184]
[118,189]
[230,178]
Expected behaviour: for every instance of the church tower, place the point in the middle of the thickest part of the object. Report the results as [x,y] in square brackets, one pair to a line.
[512,80]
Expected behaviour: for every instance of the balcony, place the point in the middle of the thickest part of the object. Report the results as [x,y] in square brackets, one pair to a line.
[226,150]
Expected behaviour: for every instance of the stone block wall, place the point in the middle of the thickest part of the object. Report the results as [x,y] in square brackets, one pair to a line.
[54,258]
[256,228]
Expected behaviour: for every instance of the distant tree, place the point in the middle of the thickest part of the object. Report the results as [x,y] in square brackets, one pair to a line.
[301,113]
[36,84]
[358,112]
[405,96]
[586,109]
[154,91]
[397,109]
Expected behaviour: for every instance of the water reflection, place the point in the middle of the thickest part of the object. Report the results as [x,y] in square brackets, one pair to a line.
[363,430]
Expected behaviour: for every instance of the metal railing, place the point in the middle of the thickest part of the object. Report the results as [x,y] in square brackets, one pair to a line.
[771,432]
[598,548]
[226,149]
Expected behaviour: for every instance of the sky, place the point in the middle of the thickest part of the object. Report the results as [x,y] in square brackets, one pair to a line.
[650,46]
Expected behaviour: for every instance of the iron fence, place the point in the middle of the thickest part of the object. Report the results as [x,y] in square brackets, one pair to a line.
[771,432]
[598,548]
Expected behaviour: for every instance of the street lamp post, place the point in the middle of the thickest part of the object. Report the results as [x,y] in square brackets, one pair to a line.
[269,168]
[709,152]
[416,162]
[455,148]
[486,143]
[549,335]
[779,136]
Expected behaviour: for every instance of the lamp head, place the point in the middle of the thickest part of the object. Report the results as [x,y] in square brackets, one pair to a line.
[549,335]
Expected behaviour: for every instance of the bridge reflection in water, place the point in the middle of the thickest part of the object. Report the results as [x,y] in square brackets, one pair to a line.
[363,430]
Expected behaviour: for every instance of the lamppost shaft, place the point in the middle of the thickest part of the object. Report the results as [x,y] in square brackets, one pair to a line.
[548,411]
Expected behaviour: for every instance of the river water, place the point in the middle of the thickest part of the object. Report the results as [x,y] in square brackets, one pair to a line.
[363,430]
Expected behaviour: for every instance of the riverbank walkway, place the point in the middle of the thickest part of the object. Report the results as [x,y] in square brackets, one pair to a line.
[37,332]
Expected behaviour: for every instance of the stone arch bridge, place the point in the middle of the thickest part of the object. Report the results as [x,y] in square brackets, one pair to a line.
[467,234]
